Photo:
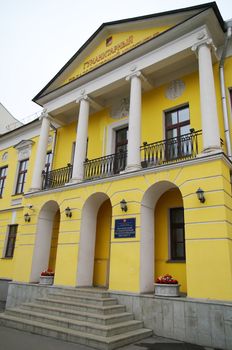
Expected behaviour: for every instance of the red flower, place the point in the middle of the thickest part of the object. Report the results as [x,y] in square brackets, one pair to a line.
[166,279]
[47,272]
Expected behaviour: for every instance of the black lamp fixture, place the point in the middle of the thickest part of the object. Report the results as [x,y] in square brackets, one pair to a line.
[27,217]
[68,212]
[123,205]
[200,195]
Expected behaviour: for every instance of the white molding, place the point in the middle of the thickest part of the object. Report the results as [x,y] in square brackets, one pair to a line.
[201,159]
[112,128]
[15,137]
[157,55]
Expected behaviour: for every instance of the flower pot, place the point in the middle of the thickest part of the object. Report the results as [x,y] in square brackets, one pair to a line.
[167,290]
[46,280]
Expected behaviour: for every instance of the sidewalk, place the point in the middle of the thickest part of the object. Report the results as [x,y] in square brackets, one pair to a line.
[12,339]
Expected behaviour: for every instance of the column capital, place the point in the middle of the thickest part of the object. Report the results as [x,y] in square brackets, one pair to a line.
[137,74]
[44,115]
[206,42]
[83,97]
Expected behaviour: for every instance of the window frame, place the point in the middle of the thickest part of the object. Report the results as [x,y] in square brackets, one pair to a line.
[9,251]
[24,173]
[2,179]
[172,238]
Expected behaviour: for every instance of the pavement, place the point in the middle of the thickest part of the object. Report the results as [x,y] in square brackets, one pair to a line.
[12,339]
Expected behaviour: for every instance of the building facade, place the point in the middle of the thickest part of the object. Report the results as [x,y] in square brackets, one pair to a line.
[103,188]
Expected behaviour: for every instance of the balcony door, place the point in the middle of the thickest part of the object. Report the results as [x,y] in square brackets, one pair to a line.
[177,124]
[121,140]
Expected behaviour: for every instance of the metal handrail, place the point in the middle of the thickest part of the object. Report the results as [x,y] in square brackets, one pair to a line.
[170,150]
[56,178]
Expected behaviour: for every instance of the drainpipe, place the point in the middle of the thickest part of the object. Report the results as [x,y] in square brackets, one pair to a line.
[223,91]
[53,143]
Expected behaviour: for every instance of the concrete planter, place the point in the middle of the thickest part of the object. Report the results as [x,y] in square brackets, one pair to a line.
[167,290]
[46,280]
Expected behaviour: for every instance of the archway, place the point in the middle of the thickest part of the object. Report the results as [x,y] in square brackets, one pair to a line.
[47,230]
[147,248]
[93,258]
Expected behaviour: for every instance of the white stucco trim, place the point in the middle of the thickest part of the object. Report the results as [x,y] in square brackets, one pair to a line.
[180,44]
[111,132]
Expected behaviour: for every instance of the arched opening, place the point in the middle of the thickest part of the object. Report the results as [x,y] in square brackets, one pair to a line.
[170,237]
[156,207]
[46,240]
[94,249]
[102,245]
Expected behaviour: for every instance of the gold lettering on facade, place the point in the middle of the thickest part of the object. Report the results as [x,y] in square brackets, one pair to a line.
[111,53]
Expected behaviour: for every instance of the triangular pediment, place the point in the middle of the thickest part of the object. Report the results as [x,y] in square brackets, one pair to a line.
[115,39]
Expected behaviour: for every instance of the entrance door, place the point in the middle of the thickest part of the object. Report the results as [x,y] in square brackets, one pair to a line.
[121,141]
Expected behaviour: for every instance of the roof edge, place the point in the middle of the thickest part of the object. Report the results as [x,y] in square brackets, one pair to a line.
[205,6]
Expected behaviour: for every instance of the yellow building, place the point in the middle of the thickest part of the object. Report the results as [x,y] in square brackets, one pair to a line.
[127,174]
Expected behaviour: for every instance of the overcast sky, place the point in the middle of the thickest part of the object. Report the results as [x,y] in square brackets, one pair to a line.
[37,37]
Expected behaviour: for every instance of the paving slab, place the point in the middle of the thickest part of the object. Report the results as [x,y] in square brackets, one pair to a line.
[12,339]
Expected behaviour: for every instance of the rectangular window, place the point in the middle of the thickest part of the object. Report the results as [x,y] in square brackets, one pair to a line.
[177,124]
[23,165]
[177,234]
[48,162]
[3,173]
[121,141]
[11,241]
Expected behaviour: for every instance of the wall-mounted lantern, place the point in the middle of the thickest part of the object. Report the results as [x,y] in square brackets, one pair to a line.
[123,205]
[68,212]
[200,195]
[27,217]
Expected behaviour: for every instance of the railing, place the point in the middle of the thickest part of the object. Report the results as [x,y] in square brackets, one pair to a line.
[153,154]
[56,178]
[171,150]
[105,166]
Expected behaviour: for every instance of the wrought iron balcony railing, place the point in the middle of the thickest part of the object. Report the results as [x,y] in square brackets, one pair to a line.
[56,178]
[152,155]
[105,166]
[171,150]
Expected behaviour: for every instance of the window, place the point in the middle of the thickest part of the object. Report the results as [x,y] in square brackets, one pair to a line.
[177,124]
[177,234]
[11,241]
[3,173]
[121,141]
[48,162]
[23,165]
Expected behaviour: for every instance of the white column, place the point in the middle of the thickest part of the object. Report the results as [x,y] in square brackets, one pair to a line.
[210,126]
[81,140]
[40,154]
[134,132]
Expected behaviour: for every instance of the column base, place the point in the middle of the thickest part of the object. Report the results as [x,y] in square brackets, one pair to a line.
[210,150]
[74,181]
[34,189]
[132,167]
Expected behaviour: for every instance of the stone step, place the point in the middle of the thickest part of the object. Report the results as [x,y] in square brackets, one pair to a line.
[79,315]
[81,326]
[83,299]
[106,310]
[93,292]
[95,341]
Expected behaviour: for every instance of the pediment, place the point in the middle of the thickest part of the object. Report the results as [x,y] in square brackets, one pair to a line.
[114,39]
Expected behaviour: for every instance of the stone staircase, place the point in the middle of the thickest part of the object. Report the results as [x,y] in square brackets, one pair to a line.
[85,316]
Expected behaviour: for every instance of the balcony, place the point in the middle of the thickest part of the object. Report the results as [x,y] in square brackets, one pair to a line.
[152,155]
[56,178]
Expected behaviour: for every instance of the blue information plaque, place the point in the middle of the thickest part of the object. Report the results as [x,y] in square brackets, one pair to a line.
[124,228]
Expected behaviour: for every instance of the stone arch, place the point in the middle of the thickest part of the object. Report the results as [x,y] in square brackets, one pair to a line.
[43,239]
[148,203]
[85,266]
